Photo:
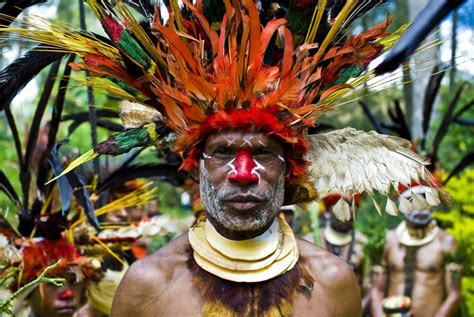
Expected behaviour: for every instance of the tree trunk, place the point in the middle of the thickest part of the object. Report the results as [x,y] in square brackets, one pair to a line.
[401,14]
[454,46]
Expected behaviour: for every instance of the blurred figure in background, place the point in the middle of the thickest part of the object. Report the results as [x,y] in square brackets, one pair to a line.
[417,263]
[341,239]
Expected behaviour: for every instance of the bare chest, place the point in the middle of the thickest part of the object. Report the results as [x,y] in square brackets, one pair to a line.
[182,298]
[427,258]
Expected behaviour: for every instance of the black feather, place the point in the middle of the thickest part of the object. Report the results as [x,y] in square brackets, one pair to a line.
[430,95]
[167,172]
[465,162]
[428,18]
[13,8]
[15,76]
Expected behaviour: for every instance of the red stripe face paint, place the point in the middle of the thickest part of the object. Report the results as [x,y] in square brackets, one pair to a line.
[244,168]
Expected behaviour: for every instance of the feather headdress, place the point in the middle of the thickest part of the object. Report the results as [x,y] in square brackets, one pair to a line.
[244,76]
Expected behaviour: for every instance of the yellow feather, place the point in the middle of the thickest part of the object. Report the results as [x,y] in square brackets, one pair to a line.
[86,157]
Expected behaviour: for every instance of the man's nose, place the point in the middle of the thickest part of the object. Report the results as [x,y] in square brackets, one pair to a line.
[243,169]
[122,213]
[66,294]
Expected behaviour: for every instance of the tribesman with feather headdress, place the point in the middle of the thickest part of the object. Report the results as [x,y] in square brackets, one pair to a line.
[236,104]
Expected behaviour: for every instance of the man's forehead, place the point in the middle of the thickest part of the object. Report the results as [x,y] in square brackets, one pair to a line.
[240,138]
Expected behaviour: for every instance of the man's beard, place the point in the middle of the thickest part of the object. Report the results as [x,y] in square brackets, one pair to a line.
[235,221]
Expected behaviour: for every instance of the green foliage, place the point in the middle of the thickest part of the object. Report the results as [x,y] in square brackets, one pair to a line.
[459,139]
[6,305]
[460,223]
[375,227]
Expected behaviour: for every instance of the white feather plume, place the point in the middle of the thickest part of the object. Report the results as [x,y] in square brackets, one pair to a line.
[352,161]
[135,115]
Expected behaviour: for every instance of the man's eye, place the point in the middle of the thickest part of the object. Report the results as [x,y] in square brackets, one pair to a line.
[223,151]
[263,152]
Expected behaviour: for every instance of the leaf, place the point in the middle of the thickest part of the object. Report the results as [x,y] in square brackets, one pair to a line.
[447,119]
[25,173]
[65,189]
[16,137]
[465,162]
[54,123]
[82,195]
[8,189]
[462,110]
[376,123]
[430,95]
[399,125]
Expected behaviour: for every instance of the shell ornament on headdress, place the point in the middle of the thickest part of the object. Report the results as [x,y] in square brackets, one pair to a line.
[190,77]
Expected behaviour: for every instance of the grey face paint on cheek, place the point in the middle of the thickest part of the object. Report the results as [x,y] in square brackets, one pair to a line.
[213,199]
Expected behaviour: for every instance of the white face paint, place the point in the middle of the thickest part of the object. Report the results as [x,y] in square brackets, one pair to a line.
[247,141]
[257,167]
[230,142]
[232,167]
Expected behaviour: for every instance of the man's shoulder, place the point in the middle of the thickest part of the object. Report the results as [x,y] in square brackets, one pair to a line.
[333,280]
[447,240]
[163,263]
[325,266]
[147,279]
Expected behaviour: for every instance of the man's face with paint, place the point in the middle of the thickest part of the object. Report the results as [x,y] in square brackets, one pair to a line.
[51,301]
[242,182]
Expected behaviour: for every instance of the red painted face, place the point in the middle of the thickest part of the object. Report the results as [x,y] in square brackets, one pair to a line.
[243,169]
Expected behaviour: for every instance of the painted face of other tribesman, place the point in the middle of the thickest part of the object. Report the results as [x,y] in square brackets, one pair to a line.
[51,301]
[242,182]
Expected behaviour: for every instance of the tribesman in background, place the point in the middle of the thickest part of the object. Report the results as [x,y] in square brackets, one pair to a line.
[237,104]
[416,261]
[341,239]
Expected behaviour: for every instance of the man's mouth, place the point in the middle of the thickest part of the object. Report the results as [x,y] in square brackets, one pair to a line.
[66,310]
[243,202]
